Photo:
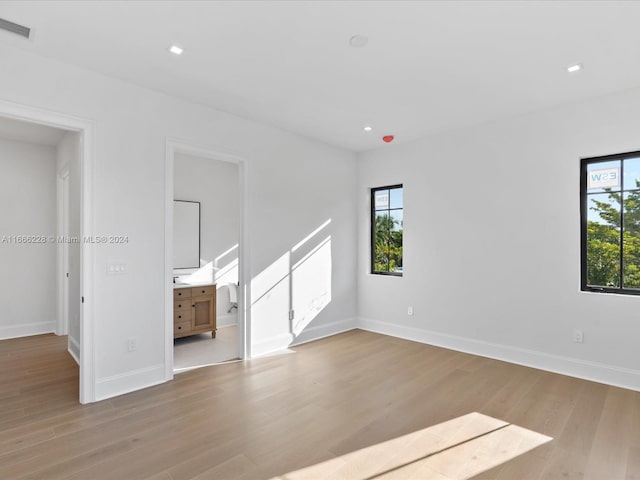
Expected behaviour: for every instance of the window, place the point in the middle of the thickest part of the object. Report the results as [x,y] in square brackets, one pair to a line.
[610,223]
[386,230]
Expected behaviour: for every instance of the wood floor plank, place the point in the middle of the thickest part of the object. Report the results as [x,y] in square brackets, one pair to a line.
[236,468]
[320,403]
[582,424]
[633,464]
[159,476]
[524,467]
[517,384]
[612,437]
[635,422]
[564,464]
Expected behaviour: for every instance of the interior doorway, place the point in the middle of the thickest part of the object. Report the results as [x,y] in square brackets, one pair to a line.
[74,294]
[206,247]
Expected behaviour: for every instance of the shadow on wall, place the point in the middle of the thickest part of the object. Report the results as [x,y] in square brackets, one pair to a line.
[294,289]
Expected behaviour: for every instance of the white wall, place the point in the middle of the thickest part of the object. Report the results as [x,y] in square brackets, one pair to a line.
[215,184]
[294,185]
[492,242]
[27,208]
[68,158]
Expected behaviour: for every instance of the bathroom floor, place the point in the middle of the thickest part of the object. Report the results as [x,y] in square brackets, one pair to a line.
[202,350]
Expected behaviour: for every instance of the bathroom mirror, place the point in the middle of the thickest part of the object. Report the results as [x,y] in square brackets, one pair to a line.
[186,234]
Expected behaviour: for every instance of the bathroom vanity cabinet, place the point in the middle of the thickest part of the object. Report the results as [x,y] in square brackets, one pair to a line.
[194,310]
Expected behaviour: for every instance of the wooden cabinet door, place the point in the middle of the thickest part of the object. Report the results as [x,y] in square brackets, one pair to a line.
[203,312]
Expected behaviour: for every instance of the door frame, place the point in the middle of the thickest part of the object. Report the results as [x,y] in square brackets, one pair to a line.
[174,146]
[86,129]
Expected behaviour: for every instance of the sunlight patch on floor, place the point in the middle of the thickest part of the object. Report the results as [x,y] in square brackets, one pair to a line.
[454,450]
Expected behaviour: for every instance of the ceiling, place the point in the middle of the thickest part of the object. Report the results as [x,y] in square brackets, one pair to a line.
[429,66]
[19,131]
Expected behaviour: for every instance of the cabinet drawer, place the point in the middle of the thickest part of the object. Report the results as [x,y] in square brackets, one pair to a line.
[181,293]
[182,304]
[182,315]
[203,291]
[181,327]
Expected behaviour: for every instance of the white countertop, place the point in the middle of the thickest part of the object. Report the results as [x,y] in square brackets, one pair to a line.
[190,285]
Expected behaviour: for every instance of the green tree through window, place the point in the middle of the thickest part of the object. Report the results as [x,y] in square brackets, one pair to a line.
[611,224]
[386,230]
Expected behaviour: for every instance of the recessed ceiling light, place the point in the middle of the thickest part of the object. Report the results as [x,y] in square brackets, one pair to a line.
[368,128]
[358,41]
[574,68]
[176,50]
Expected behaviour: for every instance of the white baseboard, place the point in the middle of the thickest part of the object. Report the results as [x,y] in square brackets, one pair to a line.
[271,344]
[128,382]
[226,320]
[73,348]
[597,372]
[26,330]
[325,330]
[286,340]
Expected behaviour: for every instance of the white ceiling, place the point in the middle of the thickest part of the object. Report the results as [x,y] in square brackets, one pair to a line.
[19,131]
[429,66]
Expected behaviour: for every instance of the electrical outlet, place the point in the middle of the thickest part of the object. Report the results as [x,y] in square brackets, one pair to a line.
[410,311]
[132,344]
[578,336]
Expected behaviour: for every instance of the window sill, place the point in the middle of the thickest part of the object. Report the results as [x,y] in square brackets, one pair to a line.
[626,293]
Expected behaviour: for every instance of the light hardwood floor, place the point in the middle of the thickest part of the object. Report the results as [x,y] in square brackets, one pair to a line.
[271,416]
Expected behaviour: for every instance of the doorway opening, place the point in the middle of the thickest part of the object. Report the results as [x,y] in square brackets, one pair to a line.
[63,262]
[205,252]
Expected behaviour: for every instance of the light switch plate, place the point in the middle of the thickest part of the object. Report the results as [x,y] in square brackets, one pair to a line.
[116,268]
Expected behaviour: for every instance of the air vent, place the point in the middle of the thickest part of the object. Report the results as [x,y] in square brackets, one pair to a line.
[14,28]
